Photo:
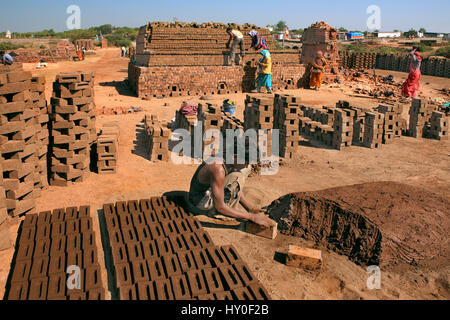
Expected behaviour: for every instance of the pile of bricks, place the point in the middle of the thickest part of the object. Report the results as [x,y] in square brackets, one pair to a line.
[42,131]
[17,139]
[3,209]
[286,114]
[210,117]
[87,44]
[259,115]
[161,253]
[440,125]
[343,128]
[357,60]
[72,127]
[394,125]
[419,118]
[51,247]
[373,130]
[108,148]
[317,123]
[157,136]
[433,66]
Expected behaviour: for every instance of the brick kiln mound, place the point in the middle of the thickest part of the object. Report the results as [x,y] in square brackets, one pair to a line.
[384,223]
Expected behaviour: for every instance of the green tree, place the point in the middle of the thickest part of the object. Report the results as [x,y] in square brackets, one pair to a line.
[422,30]
[281,25]
[342,29]
[105,29]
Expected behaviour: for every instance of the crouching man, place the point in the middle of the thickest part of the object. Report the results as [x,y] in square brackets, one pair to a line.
[217,188]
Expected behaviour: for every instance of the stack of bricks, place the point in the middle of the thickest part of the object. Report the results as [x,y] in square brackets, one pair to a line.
[51,247]
[419,117]
[259,115]
[108,148]
[157,135]
[317,123]
[373,130]
[159,252]
[287,112]
[42,131]
[3,209]
[17,139]
[357,60]
[343,128]
[72,127]
[87,44]
[211,118]
[440,125]
[392,122]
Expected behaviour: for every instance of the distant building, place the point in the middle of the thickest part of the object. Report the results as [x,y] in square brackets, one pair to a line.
[8,34]
[435,35]
[387,34]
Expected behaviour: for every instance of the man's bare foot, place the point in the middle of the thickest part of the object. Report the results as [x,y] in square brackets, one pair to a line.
[263,220]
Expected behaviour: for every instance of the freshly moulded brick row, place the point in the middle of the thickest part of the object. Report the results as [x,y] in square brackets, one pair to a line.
[163,215]
[90,258]
[178,243]
[58,245]
[128,292]
[88,240]
[42,248]
[25,251]
[197,283]
[146,290]
[84,212]
[150,217]
[43,232]
[140,270]
[191,241]
[27,235]
[169,227]
[180,287]
[58,215]
[29,221]
[125,221]
[156,231]
[57,263]
[204,238]
[230,278]
[163,290]
[143,233]
[21,272]
[244,273]
[18,291]
[112,222]
[129,235]
[73,227]
[231,254]
[40,267]
[205,297]
[76,295]
[119,253]
[134,251]
[150,249]
[156,269]
[123,274]
[258,291]
[71,213]
[57,286]
[182,226]
[73,242]
[201,259]
[216,256]
[93,278]
[171,265]
[75,258]
[138,219]
[122,208]
[109,210]
[133,206]
[193,223]
[44,218]
[96,294]
[242,294]
[177,213]
[38,289]
[213,280]
[115,237]
[186,260]
[58,229]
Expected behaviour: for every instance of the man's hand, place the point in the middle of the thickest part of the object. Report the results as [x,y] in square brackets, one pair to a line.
[257,210]
[263,220]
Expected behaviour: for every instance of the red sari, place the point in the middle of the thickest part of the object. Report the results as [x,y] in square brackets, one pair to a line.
[412,84]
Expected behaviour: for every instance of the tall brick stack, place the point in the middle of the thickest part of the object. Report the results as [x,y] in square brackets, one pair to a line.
[419,116]
[373,130]
[286,114]
[50,244]
[211,118]
[3,209]
[158,136]
[259,115]
[108,148]
[72,127]
[392,122]
[17,139]
[343,128]
[440,125]
[42,131]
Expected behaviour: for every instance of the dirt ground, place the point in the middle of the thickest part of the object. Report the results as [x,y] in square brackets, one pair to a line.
[417,162]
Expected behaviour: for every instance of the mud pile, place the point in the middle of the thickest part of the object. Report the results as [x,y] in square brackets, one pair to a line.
[383,223]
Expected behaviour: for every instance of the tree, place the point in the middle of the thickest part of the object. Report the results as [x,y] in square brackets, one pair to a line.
[342,29]
[297,31]
[422,30]
[106,29]
[281,25]
[411,33]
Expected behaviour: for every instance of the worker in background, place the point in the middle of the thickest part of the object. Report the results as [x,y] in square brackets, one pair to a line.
[236,39]
[123,49]
[411,86]
[258,41]
[217,189]
[6,58]
[317,70]
[264,78]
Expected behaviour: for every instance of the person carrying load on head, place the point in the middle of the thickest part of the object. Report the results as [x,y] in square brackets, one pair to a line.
[236,39]
[258,41]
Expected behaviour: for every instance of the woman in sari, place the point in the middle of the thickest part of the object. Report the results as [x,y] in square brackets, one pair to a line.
[264,78]
[412,84]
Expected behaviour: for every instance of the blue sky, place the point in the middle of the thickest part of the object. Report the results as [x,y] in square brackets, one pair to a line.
[32,15]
